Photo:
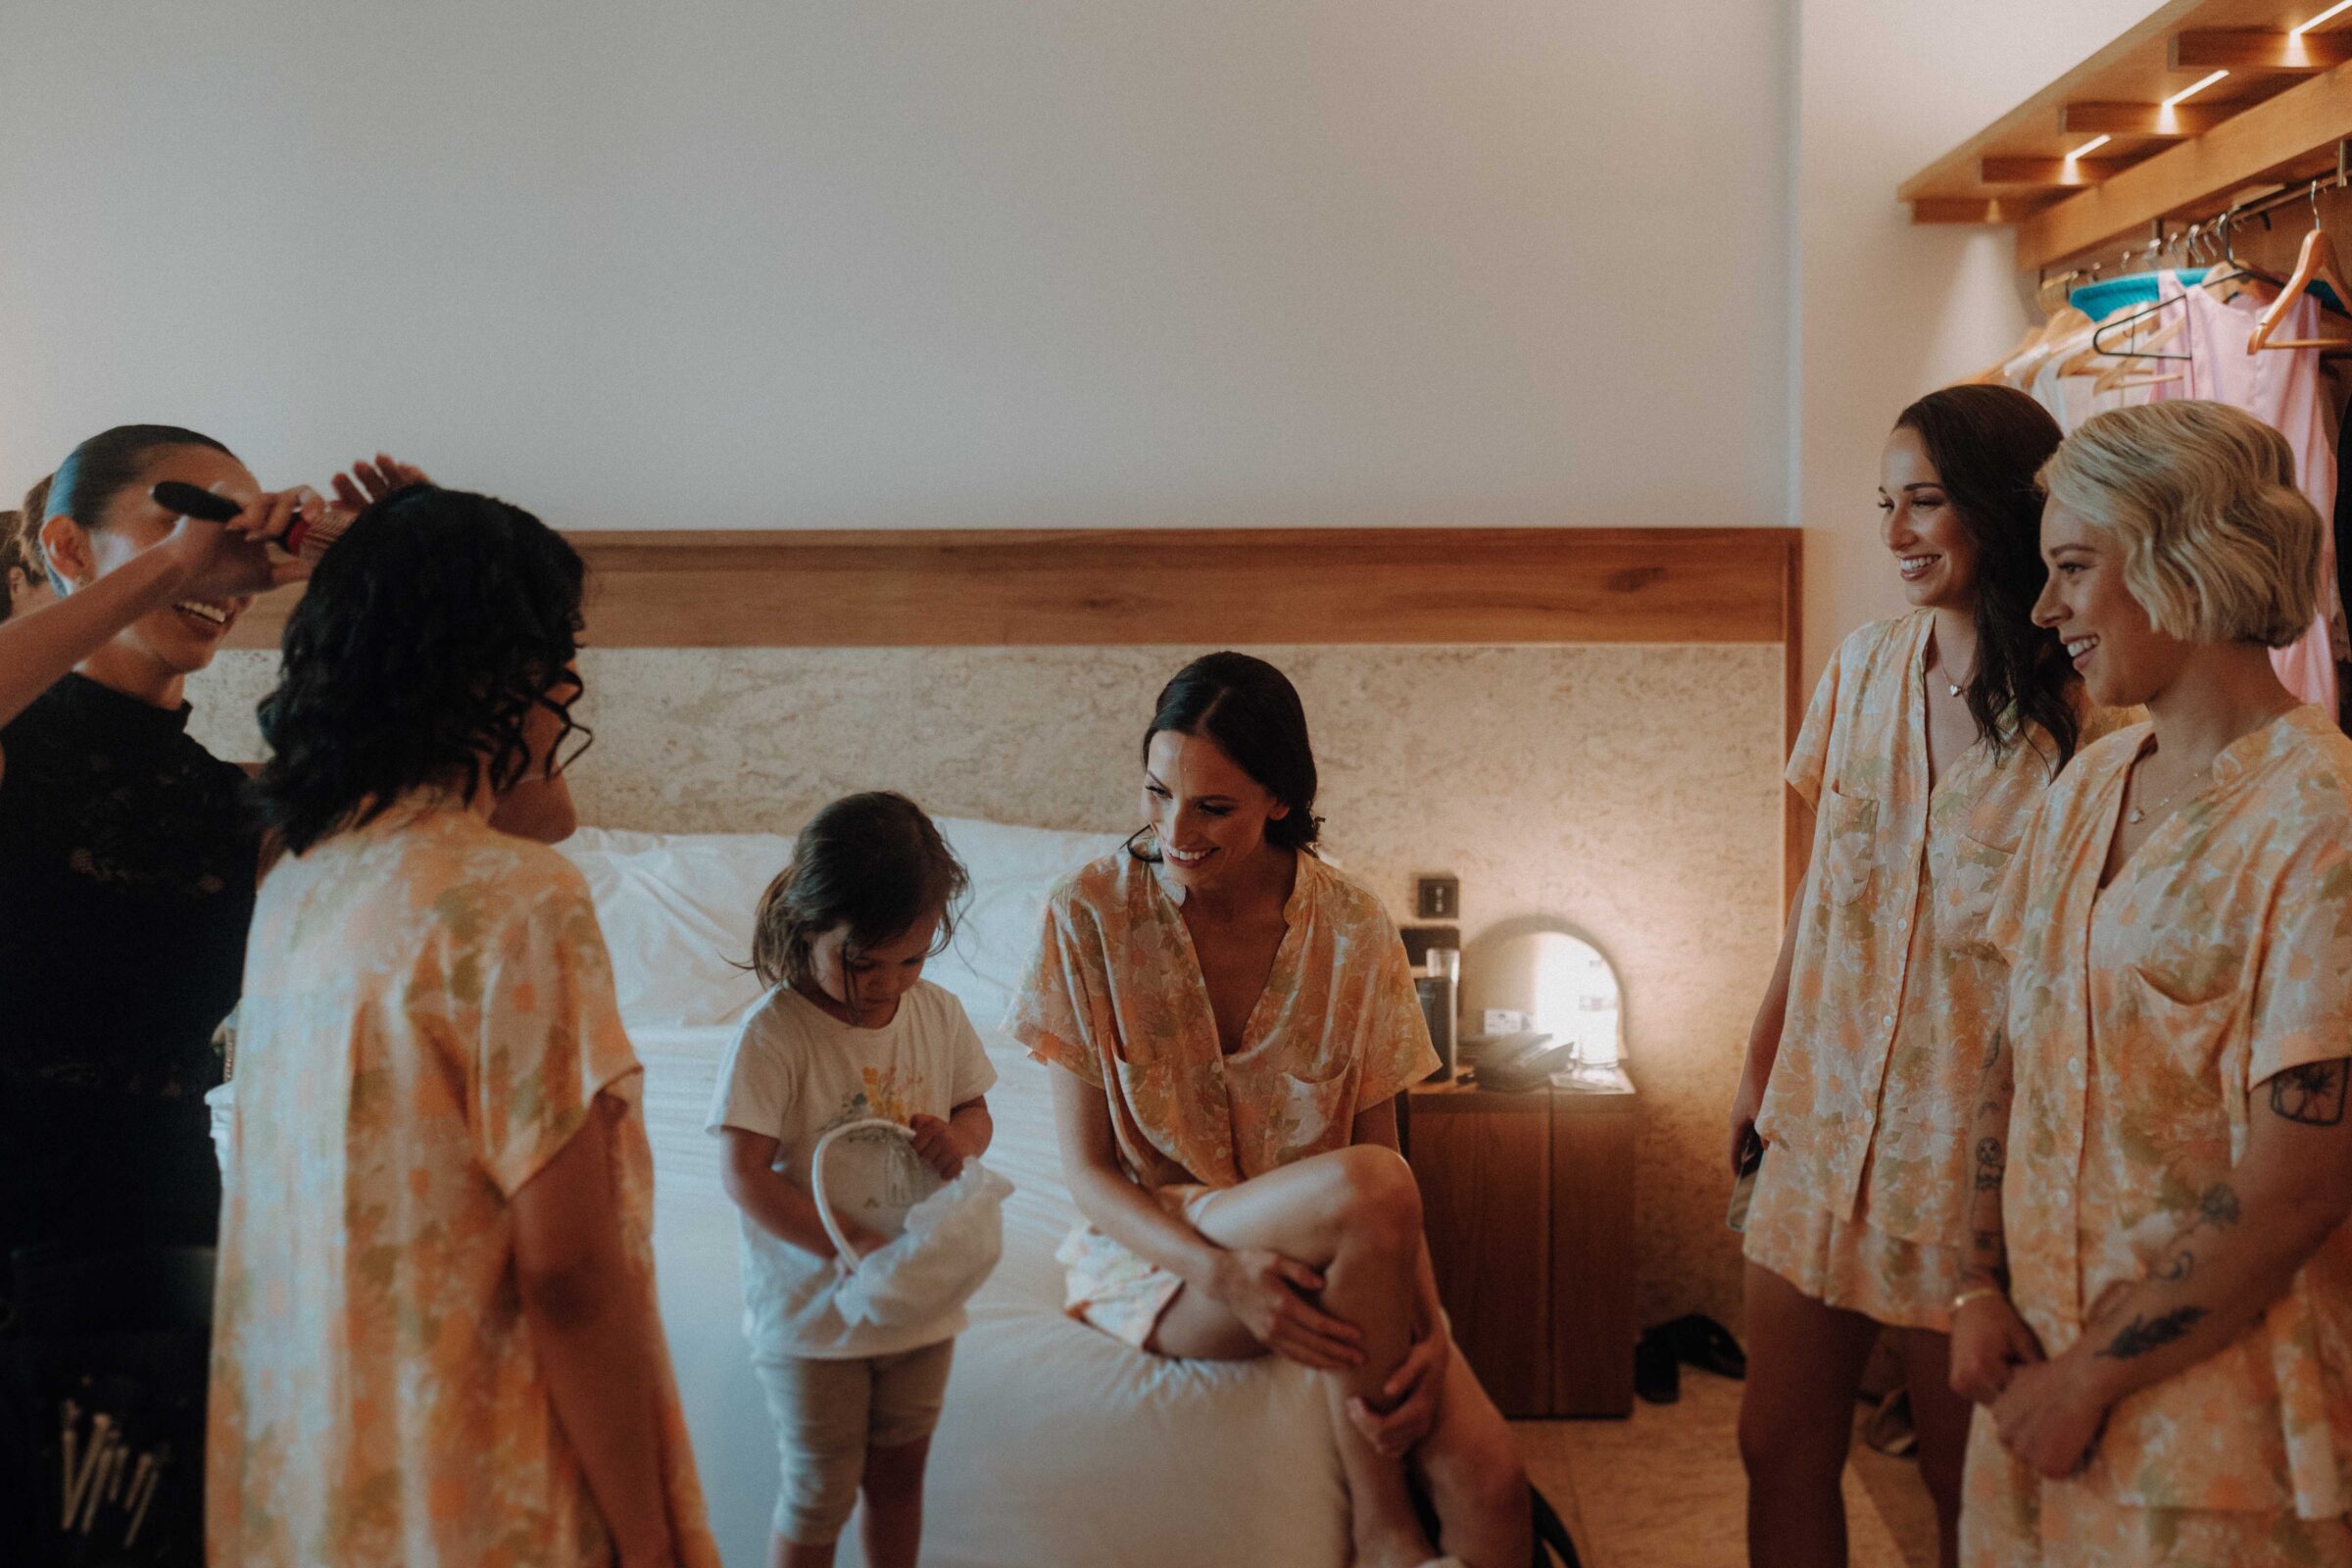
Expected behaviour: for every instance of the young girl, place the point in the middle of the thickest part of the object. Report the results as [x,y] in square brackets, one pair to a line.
[849,1032]
[1928,744]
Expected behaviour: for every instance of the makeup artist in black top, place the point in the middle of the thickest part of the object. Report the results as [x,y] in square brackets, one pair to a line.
[129,854]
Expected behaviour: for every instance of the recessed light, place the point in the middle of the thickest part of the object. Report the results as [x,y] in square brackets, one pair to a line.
[2186,93]
[2330,13]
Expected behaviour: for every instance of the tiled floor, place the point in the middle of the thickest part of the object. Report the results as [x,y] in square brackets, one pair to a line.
[1663,1489]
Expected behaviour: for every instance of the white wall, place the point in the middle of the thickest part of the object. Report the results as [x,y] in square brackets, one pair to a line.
[1887,310]
[774,262]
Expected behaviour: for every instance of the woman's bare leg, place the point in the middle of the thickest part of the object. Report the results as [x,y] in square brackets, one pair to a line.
[1474,1478]
[1354,1215]
[1796,1421]
[1941,1418]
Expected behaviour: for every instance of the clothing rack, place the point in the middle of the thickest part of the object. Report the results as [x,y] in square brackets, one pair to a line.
[2220,229]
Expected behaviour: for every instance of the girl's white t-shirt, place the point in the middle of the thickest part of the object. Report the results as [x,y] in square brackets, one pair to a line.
[793,1074]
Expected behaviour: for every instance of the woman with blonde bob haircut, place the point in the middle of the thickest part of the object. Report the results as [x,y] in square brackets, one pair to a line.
[2159,1313]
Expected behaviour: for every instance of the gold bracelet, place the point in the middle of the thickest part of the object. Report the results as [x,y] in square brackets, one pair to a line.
[1973,1292]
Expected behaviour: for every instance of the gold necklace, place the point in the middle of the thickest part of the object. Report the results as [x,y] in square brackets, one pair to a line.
[2140,813]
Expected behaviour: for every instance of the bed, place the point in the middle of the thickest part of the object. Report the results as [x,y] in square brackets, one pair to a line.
[1059,1445]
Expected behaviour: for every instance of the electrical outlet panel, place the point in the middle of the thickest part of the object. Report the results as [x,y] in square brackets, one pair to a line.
[1437,898]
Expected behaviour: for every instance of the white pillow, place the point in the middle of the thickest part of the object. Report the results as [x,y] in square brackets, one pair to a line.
[677,910]
[1013,870]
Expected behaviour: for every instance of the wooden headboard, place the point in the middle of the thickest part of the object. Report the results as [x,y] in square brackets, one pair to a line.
[1190,587]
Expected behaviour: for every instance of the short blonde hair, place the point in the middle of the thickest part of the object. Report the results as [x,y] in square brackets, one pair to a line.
[2219,545]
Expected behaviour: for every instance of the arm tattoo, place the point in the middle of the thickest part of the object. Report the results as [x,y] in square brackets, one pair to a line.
[2313,1093]
[1988,1258]
[2218,1206]
[1992,1063]
[2144,1334]
[1990,1164]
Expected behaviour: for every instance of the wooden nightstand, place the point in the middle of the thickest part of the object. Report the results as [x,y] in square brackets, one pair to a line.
[1529,1203]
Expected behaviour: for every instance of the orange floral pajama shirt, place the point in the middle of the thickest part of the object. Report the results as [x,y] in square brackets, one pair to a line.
[2144,1018]
[1892,1001]
[1117,998]
[428,1015]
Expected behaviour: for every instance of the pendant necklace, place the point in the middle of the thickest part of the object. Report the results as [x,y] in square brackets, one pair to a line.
[1943,673]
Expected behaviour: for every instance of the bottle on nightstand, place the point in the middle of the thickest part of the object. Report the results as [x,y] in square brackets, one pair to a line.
[1437,988]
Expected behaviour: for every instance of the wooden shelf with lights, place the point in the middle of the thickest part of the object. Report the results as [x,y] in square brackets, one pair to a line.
[2170,123]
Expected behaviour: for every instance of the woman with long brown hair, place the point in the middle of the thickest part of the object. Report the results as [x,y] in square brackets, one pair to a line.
[1928,743]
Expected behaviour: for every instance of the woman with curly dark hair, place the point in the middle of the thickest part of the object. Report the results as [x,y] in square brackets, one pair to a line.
[436,1333]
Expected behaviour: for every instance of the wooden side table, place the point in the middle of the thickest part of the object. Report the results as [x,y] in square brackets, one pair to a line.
[1528,1200]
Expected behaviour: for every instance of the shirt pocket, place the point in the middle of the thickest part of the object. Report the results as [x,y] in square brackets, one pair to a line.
[2189,1023]
[1848,845]
[1304,1115]
[1323,1061]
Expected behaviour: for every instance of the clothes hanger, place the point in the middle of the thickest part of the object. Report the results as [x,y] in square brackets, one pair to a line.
[2087,362]
[2128,318]
[2121,374]
[2314,263]
[2225,273]
[1997,372]
[2119,321]
[2056,335]
[2059,321]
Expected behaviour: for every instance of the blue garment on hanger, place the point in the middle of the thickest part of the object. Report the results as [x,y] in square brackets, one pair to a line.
[2101,299]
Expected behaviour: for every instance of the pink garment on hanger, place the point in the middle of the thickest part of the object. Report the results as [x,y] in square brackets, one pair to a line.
[2281,388]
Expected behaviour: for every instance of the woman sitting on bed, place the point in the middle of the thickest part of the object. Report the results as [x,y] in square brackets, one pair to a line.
[1232,1021]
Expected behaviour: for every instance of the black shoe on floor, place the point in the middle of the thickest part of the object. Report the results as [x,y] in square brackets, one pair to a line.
[1706,1344]
[1657,1370]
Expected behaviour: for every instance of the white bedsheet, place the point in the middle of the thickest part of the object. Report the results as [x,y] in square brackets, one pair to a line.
[1059,1446]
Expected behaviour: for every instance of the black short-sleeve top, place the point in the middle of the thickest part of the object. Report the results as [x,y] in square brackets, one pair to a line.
[128,861]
